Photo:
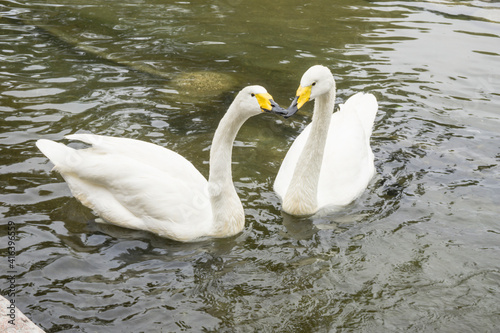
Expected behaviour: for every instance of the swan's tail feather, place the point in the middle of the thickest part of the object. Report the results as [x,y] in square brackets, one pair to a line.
[366,106]
[63,157]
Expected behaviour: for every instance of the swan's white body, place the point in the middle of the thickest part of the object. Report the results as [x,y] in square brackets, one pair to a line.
[331,162]
[139,185]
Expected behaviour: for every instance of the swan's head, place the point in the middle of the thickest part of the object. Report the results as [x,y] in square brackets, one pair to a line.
[253,100]
[316,81]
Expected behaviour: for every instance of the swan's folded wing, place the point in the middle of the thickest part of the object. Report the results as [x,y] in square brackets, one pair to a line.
[348,160]
[365,106]
[145,152]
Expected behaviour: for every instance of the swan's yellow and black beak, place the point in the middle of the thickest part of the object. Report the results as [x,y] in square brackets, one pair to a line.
[267,104]
[302,96]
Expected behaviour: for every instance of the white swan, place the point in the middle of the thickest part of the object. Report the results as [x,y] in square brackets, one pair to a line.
[331,162]
[139,185]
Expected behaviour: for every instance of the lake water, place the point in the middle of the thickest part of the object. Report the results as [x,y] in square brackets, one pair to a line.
[417,252]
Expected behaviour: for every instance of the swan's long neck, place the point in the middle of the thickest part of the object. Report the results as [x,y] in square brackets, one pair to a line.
[301,197]
[227,210]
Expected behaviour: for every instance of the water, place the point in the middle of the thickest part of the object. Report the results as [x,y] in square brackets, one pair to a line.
[418,252]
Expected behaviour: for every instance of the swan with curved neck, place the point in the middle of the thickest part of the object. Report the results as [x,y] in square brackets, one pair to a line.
[331,162]
[139,185]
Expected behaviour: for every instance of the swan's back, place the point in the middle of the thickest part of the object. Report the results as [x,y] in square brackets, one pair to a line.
[135,184]
[365,106]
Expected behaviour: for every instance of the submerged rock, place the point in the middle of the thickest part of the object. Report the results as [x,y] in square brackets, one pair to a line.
[201,84]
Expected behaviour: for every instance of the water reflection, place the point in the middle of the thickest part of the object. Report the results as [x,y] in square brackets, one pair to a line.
[417,252]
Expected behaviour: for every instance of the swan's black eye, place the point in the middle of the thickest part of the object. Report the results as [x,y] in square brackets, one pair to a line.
[253,95]
[314,83]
